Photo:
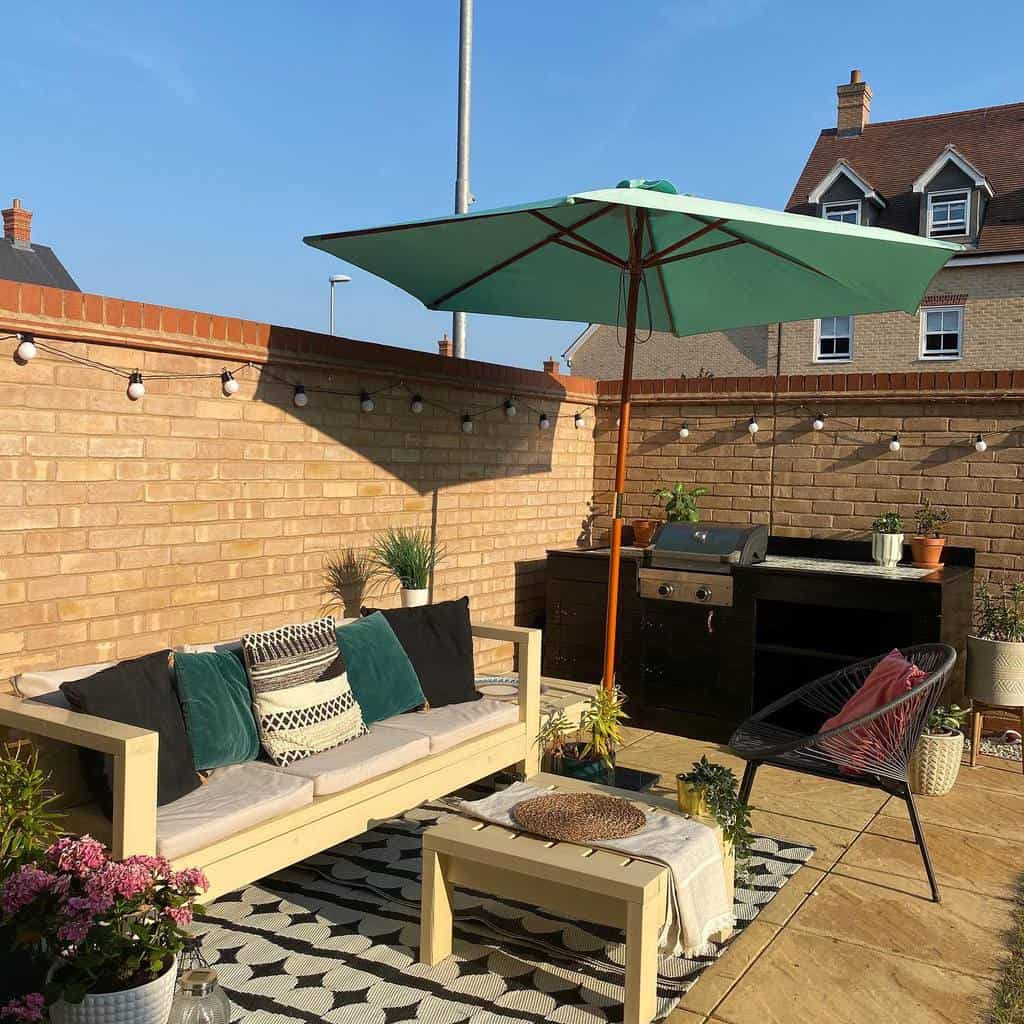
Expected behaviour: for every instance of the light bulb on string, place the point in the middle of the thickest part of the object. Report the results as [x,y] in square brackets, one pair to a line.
[300,398]
[26,350]
[579,421]
[684,431]
[510,408]
[467,424]
[980,444]
[228,383]
[753,426]
[818,422]
[366,402]
[416,405]
[544,423]
[894,443]
[136,388]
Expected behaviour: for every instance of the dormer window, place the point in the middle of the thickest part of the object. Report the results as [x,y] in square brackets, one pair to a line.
[948,213]
[843,213]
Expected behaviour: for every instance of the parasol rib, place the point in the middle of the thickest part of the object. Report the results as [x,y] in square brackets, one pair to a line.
[595,249]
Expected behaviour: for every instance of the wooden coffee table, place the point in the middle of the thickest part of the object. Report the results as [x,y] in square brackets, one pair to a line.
[577,881]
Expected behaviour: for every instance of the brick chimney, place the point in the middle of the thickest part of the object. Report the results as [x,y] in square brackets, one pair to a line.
[445,346]
[18,225]
[854,105]
[551,365]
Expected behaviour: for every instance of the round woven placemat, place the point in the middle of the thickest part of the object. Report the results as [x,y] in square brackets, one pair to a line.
[578,817]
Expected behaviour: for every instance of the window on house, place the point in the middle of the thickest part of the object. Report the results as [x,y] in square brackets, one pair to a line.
[845,213]
[947,213]
[834,340]
[942,333]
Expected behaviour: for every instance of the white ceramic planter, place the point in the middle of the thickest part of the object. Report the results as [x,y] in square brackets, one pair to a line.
[887,548]
[935,763]
[995,671]
[147,1004]
[414,598]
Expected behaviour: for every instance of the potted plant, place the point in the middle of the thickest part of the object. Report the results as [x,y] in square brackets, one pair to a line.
[409,556]
[346,574]
[113,928]
[710,790]
[588,752]
[935,763]
[680,503]
[887,539]
[928,542]
[995,650]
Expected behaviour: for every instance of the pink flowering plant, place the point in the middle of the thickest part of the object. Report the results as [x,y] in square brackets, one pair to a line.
[111,925]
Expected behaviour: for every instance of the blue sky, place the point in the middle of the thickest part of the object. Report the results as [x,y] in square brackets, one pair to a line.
[177,153]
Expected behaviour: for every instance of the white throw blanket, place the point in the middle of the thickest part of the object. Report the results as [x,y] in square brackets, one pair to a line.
[698,904]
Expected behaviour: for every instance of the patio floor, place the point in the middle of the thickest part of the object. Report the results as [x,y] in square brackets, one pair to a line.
[853,937]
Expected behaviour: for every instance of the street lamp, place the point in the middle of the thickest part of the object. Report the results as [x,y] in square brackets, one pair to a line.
[336,279]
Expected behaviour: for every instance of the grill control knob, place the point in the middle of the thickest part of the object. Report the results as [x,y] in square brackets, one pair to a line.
[666,589]
[703,594]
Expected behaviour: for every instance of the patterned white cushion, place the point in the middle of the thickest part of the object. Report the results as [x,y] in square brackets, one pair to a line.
[300,692]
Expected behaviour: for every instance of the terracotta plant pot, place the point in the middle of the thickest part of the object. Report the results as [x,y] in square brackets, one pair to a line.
[927,551]
[887,549]
[643,531]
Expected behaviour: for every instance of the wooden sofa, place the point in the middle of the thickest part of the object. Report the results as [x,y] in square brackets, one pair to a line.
[307,822]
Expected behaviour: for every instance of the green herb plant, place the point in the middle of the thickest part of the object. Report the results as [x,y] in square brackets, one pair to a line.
[888,522]
[929,519]
[681,504]
[718,787]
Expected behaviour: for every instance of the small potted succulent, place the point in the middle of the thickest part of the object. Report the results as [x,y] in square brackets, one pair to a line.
[935,763]
[995,650]
[409,556]
[887,539]
[710,790]
[928,542]
[586,752]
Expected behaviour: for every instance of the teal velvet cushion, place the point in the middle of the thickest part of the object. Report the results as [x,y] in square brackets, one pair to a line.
[379,671]
[216,702]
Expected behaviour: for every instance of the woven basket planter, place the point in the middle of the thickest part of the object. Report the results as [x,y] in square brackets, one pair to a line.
[995,671]
[936,763]
[147,1004]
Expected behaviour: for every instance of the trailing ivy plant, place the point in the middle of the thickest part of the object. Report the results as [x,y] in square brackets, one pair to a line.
[718,787]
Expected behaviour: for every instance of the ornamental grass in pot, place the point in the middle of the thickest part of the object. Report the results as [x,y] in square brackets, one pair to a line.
[887,539]
[586,752]
[410,557]
[935,763]
[927,544]
[995,650]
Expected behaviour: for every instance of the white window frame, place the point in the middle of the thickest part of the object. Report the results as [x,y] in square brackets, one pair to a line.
[941,356]
[944,197]
[826,207]
[818,357]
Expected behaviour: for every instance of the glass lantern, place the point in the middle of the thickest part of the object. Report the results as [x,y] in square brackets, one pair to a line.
[199,999]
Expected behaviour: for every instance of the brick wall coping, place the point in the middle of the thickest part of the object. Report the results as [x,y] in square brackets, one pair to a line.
[933,385]
[80,316]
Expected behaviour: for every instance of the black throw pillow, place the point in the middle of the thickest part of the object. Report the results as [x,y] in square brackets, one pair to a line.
[439,642]
[138,692]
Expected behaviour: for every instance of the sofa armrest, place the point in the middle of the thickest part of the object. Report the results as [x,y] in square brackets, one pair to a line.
[528,645]
[134,751]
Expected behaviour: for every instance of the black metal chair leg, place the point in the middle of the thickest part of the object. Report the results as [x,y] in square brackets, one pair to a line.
[748,780]
[919,836]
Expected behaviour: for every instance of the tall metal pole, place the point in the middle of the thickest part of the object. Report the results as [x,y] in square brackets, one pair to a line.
[336,279]
[462,155]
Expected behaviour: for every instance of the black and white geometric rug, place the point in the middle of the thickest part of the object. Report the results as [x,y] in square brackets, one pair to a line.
[335,939]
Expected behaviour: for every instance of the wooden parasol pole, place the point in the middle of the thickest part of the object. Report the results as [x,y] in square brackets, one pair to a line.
[636,273]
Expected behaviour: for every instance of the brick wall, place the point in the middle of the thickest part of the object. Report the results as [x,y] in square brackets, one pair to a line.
[833,482]
[188,516]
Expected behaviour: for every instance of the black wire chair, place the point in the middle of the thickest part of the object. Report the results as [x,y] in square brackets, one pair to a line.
[873,750]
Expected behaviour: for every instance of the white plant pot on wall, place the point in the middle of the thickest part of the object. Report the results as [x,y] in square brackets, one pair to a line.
[995,671]
[147,1004]
[415,598]
[887,548]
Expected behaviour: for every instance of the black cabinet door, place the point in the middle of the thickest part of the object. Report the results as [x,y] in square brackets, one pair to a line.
[681,659]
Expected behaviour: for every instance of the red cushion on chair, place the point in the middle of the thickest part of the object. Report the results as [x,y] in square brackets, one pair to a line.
[890,679]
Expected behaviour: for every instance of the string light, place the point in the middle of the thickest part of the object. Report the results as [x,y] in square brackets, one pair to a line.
[752,426]
[300,398]
[579,421]
[510,408]
[416,405]
[684,431]
[228,383]
[467,423]
[136,388]
[366,402]
[894,444]
[819,422]
[980,444]
[544,422]
[26,348]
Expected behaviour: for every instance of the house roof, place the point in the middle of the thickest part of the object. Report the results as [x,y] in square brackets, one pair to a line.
[892,155]
[37,264]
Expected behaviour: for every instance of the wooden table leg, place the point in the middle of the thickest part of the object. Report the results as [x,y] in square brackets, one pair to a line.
[977,720]
[435,910]
[642,927]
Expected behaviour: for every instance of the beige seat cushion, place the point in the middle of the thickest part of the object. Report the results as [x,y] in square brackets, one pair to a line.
[379,751]
[233,799]
[456,723]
